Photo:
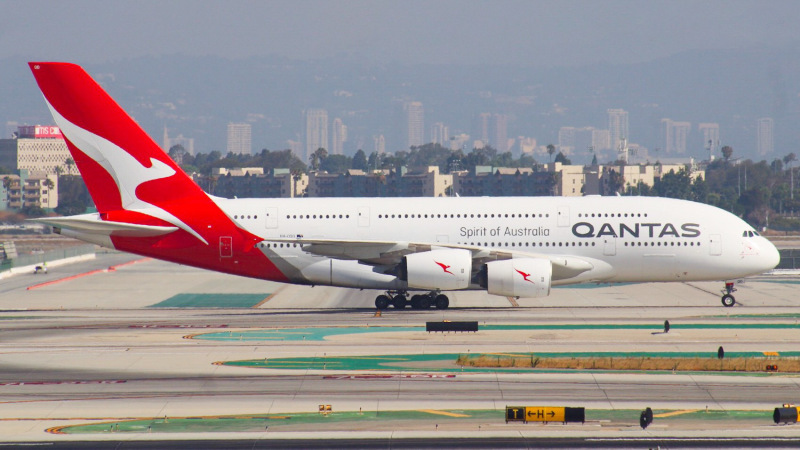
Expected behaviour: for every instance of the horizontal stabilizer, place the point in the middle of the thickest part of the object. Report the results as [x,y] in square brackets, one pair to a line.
[92,224]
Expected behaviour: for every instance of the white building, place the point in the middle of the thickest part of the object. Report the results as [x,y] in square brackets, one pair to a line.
[42,149]
[415,120]
[765,136]
[316,131]
[617,127]
[239,138]
[339,137]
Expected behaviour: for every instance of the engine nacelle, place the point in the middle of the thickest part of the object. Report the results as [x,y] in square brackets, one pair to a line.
[445,269]
[523,277]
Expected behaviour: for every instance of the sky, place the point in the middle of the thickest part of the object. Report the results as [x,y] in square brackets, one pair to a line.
[527,32]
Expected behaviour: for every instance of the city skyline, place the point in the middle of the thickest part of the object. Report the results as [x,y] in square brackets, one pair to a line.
[191,110]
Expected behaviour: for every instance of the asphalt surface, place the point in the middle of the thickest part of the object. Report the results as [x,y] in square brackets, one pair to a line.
[93,348]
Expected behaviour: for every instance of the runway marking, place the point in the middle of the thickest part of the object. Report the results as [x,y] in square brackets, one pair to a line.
[129,263]
[81,275]
[675,413]
[270,296]
[73,277]
[48,383]
[442,413]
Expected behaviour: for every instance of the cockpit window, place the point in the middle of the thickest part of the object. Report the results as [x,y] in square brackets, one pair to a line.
[750,233]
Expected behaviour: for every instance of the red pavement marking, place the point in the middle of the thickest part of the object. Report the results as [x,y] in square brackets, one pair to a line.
[80,275]
[43,383]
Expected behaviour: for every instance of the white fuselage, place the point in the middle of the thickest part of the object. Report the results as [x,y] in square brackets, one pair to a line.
[626,239]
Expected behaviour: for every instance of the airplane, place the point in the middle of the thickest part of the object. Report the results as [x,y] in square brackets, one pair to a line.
[507,246]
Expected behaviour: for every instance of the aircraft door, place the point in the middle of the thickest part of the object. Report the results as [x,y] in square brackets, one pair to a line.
[272,217]
[363,216]
[715,245]
[563,216]
[609,246]
[225,247]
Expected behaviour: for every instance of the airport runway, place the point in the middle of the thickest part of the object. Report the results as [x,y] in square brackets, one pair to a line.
[132,343]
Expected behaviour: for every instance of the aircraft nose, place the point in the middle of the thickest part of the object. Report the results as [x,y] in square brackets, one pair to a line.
[770,255]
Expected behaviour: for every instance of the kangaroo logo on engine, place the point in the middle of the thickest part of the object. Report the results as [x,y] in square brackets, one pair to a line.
[444,267]
[525,276]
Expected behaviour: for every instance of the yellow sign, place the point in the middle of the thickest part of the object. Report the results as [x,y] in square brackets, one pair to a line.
[544,414]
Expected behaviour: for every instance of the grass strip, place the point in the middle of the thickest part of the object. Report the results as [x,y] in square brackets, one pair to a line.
[643,363]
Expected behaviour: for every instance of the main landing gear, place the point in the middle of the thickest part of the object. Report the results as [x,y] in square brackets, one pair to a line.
[727,298]
[399,300]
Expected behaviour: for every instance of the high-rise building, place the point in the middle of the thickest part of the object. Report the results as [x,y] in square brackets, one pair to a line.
[674,136]
[316,131]
[765,136]
[617,127]
[681,131]
[380,144]
[499,135]
[710,133]
[480,128]
[566,140]
[440,134]
[239,138]
[601,140]
[339,137]
[415,114]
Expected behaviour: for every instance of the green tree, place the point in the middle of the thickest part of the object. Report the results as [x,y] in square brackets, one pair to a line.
[32,211]
[69,162]
[316,158]
[360,160]
[560,157]
[614,182]
[177,153]
[727,151]
[336,163]
[674,185]
[551,150]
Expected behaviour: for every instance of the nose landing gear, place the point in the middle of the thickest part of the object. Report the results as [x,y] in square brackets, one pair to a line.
[727,299]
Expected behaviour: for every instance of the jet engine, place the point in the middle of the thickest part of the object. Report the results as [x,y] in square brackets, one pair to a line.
[446,269]
[523,277]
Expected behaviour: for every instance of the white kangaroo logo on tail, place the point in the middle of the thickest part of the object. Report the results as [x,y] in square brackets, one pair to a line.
[131,175]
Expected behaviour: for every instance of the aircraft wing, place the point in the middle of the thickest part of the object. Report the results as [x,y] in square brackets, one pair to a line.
[391,252]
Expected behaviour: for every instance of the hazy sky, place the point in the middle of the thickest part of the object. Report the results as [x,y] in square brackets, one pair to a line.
[407,31]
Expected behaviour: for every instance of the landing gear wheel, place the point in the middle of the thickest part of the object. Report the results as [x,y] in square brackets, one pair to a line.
[382,302]
[399,301]
[728,300]
[425,302]
[441,301]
